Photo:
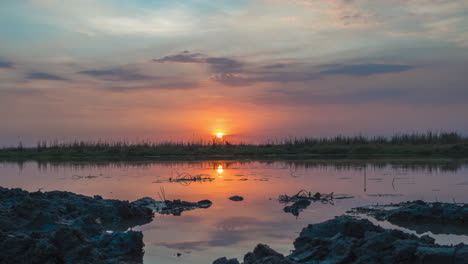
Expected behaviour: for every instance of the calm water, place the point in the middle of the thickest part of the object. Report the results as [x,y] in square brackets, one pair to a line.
[233,228]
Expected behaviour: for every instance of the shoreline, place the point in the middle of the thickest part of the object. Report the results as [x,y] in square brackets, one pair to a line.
[64,157]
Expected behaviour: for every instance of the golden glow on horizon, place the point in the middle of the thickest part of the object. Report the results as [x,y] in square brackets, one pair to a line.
[219,135]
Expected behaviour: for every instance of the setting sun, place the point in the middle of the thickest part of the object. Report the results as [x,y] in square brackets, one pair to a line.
[220,169]
[219,135]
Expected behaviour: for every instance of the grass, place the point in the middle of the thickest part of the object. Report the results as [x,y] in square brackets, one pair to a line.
[428,144]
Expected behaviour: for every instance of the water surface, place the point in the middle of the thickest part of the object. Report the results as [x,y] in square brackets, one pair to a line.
[233,228]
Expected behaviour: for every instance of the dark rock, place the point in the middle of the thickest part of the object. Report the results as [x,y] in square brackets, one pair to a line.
[349,240]
[224,260]
[204,203]
[62,227]
[175,207]
[439,218]
[264,254]
[427,239]
[405,251]
[435,255]
[236,198]
[461,254]
[262,251]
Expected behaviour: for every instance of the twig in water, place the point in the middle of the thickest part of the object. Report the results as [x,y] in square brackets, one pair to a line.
[162,193]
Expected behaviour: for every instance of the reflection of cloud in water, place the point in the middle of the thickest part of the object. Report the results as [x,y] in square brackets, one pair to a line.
[179,219]
[147,227]
[248,223]
[190,245]
[156,224]
[230,231]
[219,238]
[236,223]
[279,236]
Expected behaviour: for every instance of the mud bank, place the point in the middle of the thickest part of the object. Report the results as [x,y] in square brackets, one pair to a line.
[347,239]
[420,216]
[62,227]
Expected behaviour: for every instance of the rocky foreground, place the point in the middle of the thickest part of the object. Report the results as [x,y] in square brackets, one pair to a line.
[420,216]
[62,227]
[346,239]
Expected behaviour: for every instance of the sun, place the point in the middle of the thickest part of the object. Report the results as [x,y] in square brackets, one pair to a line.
[220,169]
[219,135]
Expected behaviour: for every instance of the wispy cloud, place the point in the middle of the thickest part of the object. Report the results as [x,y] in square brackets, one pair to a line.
[232,72]
[275,66]
[117,74]
[184,57]
[417,87]
[45,76]
[6,65]
[22,91]
[366,69]
[217,64]
[162,85]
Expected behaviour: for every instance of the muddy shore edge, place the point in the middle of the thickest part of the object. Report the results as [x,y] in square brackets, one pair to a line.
[63,227]
[350,240]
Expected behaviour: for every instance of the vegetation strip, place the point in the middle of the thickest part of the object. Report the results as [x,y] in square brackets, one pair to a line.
[403,146]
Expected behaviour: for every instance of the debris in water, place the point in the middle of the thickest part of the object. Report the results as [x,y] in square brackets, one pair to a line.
[297,207]
[384,195]
[188,178]
[305,195]
[78,177]
[175,207]
[157,181]
[303,199]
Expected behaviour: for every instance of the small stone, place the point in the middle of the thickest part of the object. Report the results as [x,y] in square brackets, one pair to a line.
[204,203]
[236,198]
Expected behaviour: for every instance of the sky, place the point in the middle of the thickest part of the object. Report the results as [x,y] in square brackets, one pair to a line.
[254,70]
